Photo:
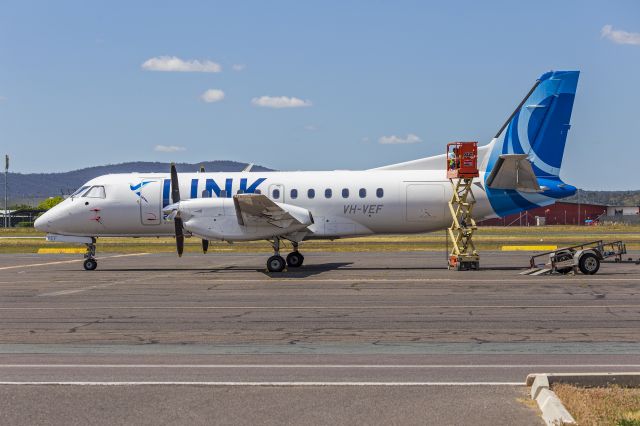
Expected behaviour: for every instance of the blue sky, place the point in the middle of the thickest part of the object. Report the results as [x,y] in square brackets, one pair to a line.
[74,91]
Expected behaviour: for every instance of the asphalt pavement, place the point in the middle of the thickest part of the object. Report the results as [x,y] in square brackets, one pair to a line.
[359,338]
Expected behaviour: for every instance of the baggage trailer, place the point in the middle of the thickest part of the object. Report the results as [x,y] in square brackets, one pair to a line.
[584,257]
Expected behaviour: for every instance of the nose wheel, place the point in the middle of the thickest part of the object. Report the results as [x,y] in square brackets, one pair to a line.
[90,262]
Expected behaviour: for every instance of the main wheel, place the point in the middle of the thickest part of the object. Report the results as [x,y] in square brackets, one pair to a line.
[90,264]
[275,264]
[295,259]
[589,264]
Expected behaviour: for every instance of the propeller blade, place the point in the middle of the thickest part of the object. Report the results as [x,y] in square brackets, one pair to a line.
[205,246]
[175,188]
[179,236]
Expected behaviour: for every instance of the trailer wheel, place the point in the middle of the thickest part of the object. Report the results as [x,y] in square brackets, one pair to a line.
[561,258]
[589,264]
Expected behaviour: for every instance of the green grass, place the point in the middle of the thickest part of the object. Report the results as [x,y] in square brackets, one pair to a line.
[486,238]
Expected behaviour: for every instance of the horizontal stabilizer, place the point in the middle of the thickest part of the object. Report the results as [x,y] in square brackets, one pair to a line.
[513,171]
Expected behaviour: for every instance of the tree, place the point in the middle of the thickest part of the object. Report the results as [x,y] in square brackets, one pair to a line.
[50,202]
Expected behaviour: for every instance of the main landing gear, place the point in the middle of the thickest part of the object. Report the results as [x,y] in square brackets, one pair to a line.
[277,264]
[90,262]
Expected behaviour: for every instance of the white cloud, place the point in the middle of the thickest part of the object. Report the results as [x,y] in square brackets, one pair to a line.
[279,102]
[394,140]
[173,63]
[620,36]
[169,148]
[238,67]
[212,95]
[311,127]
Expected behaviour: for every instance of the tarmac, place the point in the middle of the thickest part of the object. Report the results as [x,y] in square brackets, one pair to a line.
[359,338]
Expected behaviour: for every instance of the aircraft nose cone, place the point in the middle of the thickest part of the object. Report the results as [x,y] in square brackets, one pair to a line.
[42,223]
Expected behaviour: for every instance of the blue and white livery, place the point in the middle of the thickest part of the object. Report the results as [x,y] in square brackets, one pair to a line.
[519,170]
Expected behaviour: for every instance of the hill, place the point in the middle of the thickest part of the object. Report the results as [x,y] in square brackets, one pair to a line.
[610,198]
[30,188]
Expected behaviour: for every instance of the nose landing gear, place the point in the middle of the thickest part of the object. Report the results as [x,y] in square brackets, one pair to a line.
[90,263]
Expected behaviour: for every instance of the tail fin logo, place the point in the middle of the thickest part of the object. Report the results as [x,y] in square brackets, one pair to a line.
[540,126]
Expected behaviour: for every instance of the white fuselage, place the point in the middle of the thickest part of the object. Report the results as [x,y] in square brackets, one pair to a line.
[357,203]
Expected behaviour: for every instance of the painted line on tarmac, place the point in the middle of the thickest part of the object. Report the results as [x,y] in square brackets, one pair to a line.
[317,366]
[353,307]
[283,384]
[31,265]
[515,279]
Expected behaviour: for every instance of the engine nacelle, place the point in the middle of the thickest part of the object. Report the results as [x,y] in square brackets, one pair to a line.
[217,219]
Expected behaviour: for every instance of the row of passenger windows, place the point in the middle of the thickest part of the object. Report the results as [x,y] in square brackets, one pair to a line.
[328,193]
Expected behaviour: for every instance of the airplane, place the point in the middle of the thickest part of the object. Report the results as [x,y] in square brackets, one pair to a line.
[519,170]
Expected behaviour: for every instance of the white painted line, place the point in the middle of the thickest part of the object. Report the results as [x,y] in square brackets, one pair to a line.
[31,265]
[353,307]
[287,384]
[319,366]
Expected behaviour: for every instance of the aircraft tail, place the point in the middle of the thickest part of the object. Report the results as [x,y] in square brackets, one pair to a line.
[537,129]
[540,124]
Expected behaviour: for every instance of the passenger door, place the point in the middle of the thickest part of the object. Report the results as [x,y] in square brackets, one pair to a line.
[150,200]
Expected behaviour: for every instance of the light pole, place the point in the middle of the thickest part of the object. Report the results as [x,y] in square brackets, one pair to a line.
[6,179]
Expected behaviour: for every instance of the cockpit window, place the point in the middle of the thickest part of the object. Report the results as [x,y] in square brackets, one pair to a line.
[95,192]
[79,191]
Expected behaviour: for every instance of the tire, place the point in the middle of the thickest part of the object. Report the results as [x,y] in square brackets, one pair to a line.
[295,259]
[561,258]
[90,264]
[589,264]
[275,264]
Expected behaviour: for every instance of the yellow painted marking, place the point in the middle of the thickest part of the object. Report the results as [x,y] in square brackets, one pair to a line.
[529,248]
[61,250]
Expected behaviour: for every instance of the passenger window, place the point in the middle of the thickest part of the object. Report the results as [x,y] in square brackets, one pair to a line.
[327,193]
[95,192]
[379,192]
[294,194]
[311,193]
[362,192]
[345,193]
[239,191]
[276,194]
[223,193]
[257,191]
[206,194]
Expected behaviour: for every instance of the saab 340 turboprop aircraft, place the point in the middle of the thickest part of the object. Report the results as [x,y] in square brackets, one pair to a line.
[519,170]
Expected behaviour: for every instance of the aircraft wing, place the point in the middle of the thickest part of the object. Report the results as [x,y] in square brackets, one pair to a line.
[258,209]
[513,171]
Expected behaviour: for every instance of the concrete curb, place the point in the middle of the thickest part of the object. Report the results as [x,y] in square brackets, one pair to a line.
[553,412]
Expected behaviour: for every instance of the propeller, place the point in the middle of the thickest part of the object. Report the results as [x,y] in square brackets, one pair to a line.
[205,243]
[177,220]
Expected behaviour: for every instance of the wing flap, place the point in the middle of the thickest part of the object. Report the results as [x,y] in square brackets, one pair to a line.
[258,209]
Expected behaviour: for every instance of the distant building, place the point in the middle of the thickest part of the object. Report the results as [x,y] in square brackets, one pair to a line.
[623,210]
[20,216]
[560,213]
